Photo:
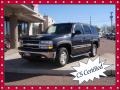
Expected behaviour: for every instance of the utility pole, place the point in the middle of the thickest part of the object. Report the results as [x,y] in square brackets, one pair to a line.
[111,18]
[90,20]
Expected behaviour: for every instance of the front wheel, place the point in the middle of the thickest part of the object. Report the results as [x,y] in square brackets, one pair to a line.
[93,51]
[62,56]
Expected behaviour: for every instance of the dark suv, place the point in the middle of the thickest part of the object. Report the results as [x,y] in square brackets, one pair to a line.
[60,42]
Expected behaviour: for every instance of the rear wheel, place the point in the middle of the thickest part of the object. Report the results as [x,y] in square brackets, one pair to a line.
[62,56]
[93,51]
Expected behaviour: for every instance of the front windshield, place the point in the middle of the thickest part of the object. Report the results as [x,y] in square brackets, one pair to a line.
[59,29]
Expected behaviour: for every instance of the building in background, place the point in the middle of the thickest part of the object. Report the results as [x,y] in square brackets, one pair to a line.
[37,27]
[19,20]
[48,21]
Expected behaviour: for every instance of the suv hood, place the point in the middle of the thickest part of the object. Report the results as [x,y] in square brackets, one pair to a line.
[42,37]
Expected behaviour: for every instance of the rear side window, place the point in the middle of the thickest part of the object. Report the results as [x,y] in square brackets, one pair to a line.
[78,27]
[94,30]
[86,29]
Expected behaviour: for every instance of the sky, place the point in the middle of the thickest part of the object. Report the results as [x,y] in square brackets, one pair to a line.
[100,14]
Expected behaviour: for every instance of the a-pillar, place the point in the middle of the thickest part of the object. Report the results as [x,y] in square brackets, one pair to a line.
[13,31]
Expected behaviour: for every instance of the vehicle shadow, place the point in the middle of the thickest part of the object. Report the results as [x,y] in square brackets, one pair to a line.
[20,64]
[38,63]
[10,77]
[71,60]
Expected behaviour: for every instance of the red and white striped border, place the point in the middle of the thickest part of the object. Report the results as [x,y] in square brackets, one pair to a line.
[113,87]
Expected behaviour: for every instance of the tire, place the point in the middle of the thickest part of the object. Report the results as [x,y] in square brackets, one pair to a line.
[93,51]
[62,56]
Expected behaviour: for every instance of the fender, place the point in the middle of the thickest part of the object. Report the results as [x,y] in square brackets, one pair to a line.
[64,42]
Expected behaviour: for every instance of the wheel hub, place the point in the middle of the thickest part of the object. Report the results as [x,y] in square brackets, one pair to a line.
[94,51]
[63,58]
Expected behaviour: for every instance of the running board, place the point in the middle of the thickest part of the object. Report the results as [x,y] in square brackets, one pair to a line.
[79,55]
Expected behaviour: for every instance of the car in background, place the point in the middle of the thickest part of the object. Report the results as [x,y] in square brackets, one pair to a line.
[100,34]
[110,36]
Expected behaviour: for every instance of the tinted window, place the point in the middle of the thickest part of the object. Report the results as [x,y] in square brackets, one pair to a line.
[78,27]
[94,30]
[86,29]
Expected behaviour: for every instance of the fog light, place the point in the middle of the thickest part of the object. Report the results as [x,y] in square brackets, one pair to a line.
[50,47]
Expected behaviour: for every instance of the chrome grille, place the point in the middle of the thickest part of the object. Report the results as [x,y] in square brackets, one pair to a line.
[31,44]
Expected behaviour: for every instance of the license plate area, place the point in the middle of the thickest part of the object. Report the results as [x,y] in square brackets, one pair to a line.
[26,54]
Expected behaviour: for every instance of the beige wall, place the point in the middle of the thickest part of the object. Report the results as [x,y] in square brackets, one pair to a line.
[48,21]
[12,12]
[37,28]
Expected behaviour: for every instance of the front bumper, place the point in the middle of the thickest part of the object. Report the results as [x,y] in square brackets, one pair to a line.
[49,55]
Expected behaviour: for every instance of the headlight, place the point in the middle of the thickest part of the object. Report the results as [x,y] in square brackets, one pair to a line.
[46,44]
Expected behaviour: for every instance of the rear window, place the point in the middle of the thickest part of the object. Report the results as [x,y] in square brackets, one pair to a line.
[94,30]
[86,29]
[79,27]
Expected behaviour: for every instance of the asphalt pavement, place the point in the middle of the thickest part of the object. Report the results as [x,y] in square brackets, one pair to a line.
[38,79]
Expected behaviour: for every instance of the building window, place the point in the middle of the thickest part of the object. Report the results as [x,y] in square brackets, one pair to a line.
[7,28]
[22,28]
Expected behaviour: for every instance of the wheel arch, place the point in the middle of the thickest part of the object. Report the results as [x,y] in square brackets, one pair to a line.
[66,45]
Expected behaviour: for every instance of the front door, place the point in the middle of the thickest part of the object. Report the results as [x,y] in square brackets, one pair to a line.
[78,40]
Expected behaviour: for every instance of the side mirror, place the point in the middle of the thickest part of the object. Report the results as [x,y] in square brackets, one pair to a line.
[77,32]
